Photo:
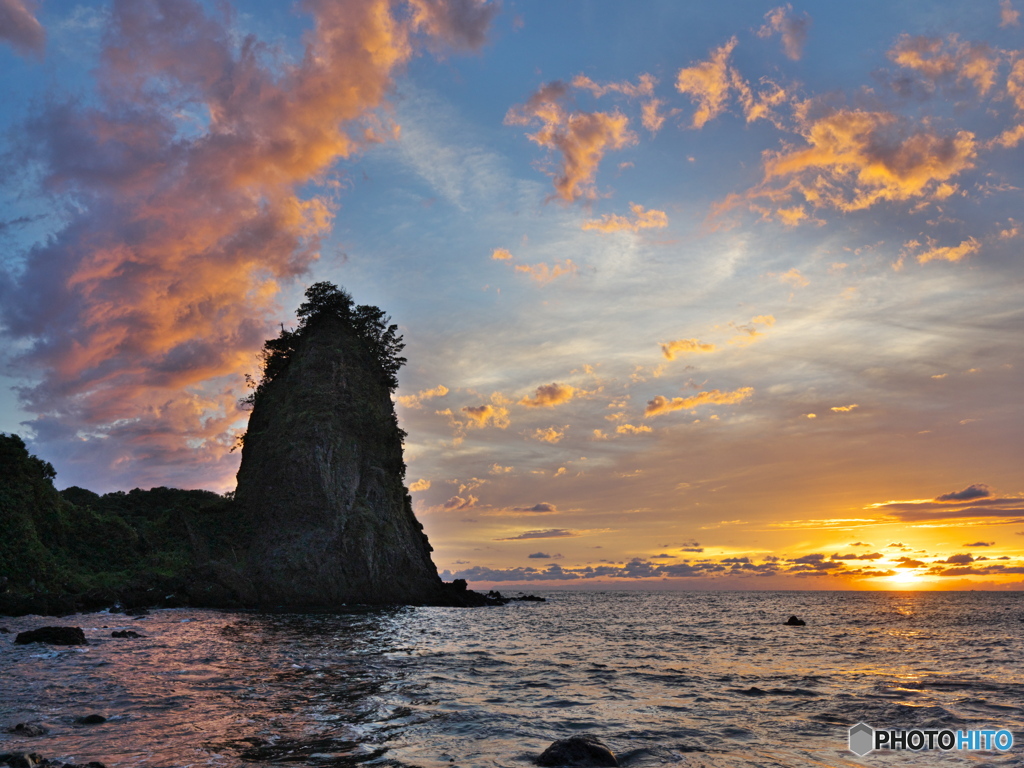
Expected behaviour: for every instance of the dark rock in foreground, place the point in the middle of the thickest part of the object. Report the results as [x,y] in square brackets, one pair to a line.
[793,621]
[582,750]
[33,760]
[52,636]
[125,633]
[91,720]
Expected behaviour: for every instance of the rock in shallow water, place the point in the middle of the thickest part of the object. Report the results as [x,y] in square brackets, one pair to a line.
[793,621]
[53,636]
[28,729]
[582,750]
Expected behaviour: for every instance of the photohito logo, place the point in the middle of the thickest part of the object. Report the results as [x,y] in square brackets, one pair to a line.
[864,739]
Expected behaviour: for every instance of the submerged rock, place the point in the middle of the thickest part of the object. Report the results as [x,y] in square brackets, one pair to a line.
[793,621]
[321,483]
[91,720]
[28,729]
[582,750]
[52,636]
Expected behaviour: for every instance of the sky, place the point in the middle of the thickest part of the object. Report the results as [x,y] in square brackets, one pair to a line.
[695,295]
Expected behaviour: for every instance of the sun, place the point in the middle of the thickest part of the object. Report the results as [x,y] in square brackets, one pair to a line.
[906,580]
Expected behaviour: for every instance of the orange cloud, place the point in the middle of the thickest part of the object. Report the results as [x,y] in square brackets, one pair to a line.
[581,138]
[550,395]
[950,253]
[458,503]
[501,254]
[644,87]
[708,83]
[650,117]
[750,329]
[794,278]
[416,401]
[672,349]
[610,222]
[660,404]
[844,408]
[544,274]
[550,434]
[487,414]
[948,60]
[630,429]
[793,31]
[854,159]
[419,485]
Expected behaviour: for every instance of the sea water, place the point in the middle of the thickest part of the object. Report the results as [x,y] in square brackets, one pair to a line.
[663,678]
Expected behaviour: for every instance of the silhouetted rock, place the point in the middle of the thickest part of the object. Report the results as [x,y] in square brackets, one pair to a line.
[28,729]
[321,479]
[52,636]
[21,759]
[793,621]
[754,691]
[582,750]
[125,633]
[4,631]
[91,720]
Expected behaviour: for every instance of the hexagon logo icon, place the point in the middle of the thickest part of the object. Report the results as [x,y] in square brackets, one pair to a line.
[862,738]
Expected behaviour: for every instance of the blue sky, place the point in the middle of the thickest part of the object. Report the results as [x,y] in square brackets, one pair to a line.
[692,293]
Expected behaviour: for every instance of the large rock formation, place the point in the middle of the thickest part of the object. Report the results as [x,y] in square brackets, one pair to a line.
[321,479]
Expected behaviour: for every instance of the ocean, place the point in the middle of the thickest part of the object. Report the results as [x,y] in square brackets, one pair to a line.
[663,678]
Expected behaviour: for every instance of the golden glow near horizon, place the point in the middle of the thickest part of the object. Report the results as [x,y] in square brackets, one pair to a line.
[735,308]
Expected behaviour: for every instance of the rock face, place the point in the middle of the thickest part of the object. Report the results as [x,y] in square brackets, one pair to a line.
[321,479]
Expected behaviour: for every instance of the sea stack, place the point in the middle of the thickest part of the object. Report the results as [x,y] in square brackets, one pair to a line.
[321,483]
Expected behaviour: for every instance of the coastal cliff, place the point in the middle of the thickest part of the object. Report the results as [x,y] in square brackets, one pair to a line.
[321,479]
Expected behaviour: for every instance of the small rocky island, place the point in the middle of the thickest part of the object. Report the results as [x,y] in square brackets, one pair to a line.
[320,518]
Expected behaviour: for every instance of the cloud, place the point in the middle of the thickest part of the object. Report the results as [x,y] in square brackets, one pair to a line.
[461,23]
[20,28]
[973,502]
[487,414]
[419,485]
[708,83]
[459,503]
[980,544]
[497,469]
[644,86]
[138,317]
[544,274]
[642,219]
[501,254]
[844,408]
[650,117]
[950,253]
[550,395]
[749,331]
[541,508]
[1008,16]
[543,556]
[416,401]
[547,533]
[549,434]
[793,30]
[580,138]
[661,404]
[629,429]
[852,159]
[948,61]
[794,278]
[974,491]
[672,349]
